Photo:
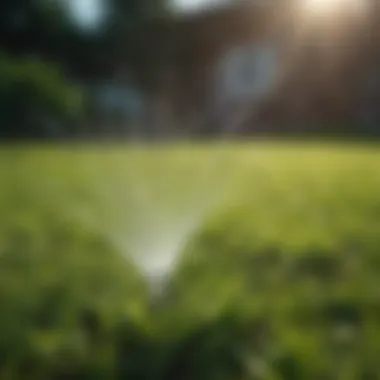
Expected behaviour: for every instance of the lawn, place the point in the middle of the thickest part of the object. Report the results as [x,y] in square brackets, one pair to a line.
[273,251]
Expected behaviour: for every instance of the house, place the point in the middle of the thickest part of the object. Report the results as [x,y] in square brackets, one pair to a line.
[249,67]
[259,67]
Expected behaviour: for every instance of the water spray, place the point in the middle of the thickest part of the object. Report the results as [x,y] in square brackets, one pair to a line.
[152,214]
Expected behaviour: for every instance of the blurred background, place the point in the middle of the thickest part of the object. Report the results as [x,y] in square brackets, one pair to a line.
[181,68]
[245,245]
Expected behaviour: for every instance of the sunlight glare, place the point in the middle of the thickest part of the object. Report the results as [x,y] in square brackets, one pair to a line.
[325,7]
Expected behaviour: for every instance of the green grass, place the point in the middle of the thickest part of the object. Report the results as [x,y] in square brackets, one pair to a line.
[283,270]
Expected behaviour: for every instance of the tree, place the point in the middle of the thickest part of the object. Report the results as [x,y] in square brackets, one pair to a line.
[34,27]
[131,35]
[35,98]
[43,30]
[36,38]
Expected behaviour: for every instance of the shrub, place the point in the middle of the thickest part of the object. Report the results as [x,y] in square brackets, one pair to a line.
[35,99]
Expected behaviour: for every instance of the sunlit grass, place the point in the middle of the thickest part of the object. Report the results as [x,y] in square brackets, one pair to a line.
[281,231]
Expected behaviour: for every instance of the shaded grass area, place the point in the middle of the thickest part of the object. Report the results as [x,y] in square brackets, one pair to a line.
[279,280]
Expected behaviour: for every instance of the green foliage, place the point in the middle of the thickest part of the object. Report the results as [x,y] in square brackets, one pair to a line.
[33,26]
[279,283]
[33,95]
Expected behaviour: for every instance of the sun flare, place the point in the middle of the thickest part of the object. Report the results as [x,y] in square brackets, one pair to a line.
[325,7]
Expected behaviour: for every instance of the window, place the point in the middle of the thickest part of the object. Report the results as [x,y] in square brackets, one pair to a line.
[250,71]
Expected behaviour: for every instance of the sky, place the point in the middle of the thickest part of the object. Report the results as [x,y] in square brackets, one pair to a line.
[87,12]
